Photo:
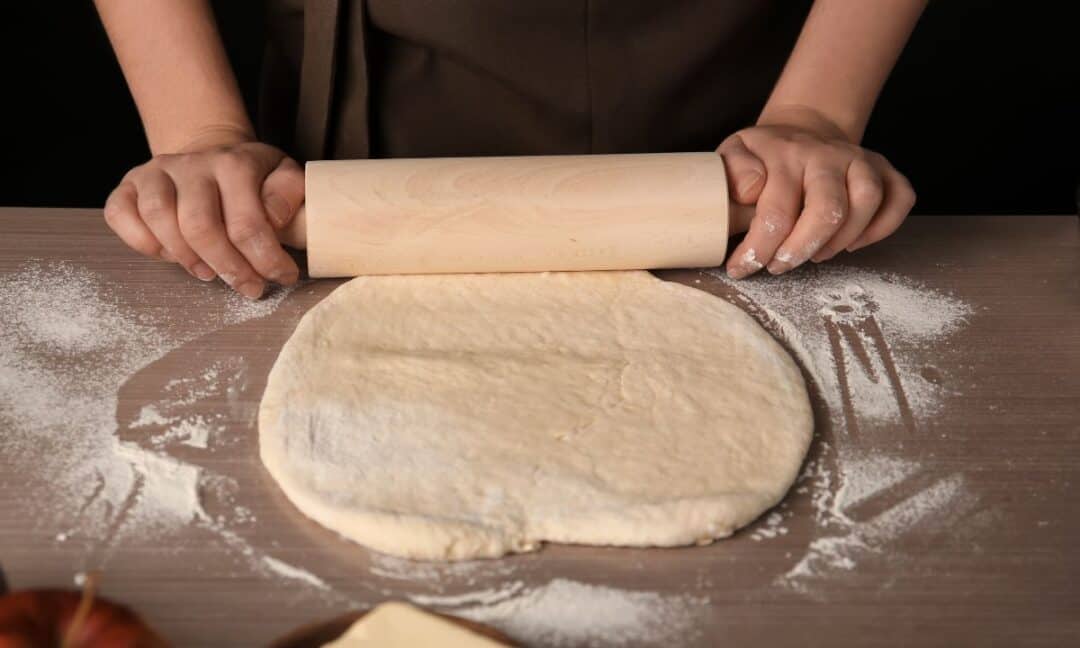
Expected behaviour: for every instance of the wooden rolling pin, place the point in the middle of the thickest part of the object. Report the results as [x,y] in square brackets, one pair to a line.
[514,214]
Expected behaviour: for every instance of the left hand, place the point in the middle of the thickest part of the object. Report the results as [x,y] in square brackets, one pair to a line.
[816,194]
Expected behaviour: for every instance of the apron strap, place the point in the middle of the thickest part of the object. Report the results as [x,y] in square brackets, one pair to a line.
[317,70]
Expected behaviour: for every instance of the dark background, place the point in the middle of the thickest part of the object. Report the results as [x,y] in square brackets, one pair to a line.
[982,111]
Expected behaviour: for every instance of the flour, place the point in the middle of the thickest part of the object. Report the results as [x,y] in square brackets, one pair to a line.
[750,260]
[168,489]
[67,345]
[855,540]
[869,343]
[289,571]
[149,415]
[436,573]
[864,477]
[67,317]
[191,431]
[570,613]
[484,597]
[875,321]
[241,309]
[772,527]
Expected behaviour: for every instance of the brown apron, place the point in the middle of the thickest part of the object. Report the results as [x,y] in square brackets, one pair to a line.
[421,78]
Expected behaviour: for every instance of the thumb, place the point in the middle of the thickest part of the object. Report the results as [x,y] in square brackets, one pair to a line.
[283,192]
[746,173]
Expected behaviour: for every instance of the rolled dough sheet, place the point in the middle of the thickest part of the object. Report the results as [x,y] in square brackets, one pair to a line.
[467,416]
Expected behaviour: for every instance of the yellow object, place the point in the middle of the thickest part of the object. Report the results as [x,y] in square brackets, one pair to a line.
[400,625]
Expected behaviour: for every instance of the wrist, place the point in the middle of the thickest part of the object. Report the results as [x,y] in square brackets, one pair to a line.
[806,118]
[212,136]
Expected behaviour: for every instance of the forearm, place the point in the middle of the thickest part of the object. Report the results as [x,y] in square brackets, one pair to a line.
[840,63]
[175,65]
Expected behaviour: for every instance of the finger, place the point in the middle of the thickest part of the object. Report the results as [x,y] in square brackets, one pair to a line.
[248,226]
[283,192]
[824,210]
[122,216]
[780,202]
[896,204]
[203,227]
[745,171]
[157,207]
[865,192]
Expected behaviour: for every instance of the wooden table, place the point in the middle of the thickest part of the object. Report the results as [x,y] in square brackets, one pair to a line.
[997,566]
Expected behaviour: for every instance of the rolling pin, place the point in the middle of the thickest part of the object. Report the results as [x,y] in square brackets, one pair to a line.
[514,214]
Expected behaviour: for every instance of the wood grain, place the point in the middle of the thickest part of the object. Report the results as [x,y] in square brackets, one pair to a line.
[1006,573]
[516,214]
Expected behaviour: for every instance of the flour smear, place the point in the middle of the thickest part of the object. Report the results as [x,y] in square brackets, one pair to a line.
[570,613]
[67,345]
[870,344]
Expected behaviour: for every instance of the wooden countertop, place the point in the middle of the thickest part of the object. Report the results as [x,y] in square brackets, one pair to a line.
[967,532]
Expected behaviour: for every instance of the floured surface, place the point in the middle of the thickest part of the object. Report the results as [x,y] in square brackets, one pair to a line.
[962,508]
[874,346]
[68,345]
[450,417]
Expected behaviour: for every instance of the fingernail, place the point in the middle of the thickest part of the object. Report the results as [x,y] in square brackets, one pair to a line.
[823,255]
[854,246]
[251,289]
[202,272]
[164,254]
[777,268]
[278,210]
[285,278]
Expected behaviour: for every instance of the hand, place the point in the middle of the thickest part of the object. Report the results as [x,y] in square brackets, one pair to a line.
[214,208]
[816,194]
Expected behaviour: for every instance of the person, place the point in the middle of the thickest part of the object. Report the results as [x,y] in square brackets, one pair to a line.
[785,88]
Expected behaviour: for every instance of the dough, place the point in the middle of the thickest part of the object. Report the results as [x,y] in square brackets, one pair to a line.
[400,625]
[466,416]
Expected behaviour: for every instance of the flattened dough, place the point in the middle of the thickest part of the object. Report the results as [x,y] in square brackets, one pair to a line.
[467,416]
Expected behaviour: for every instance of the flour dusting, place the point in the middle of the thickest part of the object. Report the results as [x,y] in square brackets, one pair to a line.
[771,527]
[67,345]
[570,613]
[870,344]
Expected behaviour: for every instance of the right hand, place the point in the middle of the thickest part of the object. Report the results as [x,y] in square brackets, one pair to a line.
[214,210]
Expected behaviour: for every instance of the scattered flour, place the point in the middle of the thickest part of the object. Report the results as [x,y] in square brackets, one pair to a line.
[868,343]
[192,431]
[166,489]
[149,415]
[67,345]
[875,320]
[241,309]
[771,527]
[569,613]
[195,435]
